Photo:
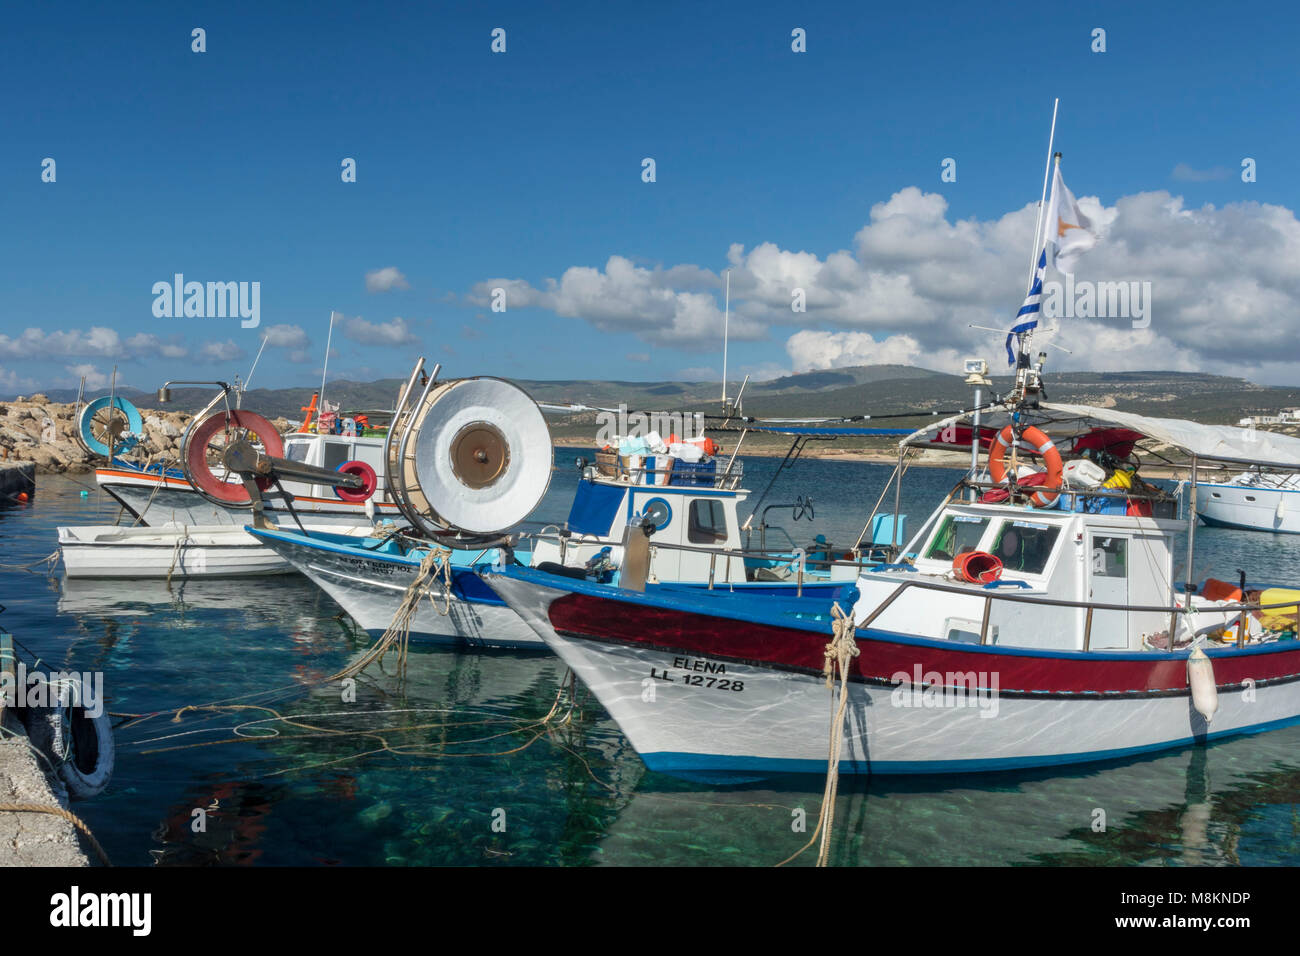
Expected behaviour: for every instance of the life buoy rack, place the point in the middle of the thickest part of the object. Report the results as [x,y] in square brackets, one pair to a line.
[1039,441]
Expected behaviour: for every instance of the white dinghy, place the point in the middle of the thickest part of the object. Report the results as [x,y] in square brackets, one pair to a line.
[172,551]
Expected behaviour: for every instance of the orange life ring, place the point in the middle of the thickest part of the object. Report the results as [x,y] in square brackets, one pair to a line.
[1044,446]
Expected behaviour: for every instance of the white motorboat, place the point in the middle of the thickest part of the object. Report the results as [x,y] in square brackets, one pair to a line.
[1253,500]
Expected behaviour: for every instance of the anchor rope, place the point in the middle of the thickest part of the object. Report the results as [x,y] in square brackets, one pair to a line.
[842,648]
[176,551]
[50,560]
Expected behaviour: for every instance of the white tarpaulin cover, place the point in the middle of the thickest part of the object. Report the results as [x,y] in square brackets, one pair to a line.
[1066,423]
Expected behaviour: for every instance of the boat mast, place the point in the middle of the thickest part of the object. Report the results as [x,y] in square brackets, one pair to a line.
[329,336]
[1191,541]
[726,326]
[1039,234]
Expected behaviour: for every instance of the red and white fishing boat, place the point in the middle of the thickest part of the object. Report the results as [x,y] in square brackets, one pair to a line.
[1062,656]
[158,496]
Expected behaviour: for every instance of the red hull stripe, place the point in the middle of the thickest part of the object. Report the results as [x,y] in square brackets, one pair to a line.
[593,618]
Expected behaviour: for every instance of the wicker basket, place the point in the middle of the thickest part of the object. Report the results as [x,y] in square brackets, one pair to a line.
[607,463]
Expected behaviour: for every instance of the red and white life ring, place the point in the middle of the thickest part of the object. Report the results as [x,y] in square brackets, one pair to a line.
[1039,441]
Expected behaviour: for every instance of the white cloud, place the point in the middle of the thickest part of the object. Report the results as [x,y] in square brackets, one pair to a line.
[811,350]
[227,351]
[385,280]
[1225,284]
[286,336]
[95,379]
[11,381]
[663,306]
[1188,174]
[35,343]
[145,345]
[393,332]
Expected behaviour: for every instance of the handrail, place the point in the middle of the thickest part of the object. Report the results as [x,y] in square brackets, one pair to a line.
[1062,489]
[1062,602]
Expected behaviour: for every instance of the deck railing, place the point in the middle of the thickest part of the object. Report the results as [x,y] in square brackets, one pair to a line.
[1241,609]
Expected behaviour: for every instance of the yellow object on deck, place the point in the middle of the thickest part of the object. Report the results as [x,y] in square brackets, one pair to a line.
[1280,618]
[1120,481]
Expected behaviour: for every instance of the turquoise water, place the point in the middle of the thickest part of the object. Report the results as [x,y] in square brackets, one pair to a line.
[416,770]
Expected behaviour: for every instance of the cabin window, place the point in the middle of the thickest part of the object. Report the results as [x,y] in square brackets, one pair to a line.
[708,522]
[658,512]
[336,453]
[1025,546]
[297,450]
[957,535]
[1110,557]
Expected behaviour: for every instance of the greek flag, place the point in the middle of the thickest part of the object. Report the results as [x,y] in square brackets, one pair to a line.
[1027,317]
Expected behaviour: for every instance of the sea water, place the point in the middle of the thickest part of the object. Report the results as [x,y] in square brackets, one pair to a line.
[449,763]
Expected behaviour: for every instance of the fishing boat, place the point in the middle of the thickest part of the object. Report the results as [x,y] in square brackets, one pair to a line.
[1032,628]
[154,494]
[1253,500]
[172,551]
[460,439]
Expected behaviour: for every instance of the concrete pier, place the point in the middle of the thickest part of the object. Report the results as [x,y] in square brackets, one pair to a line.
[16,476]
[30,838]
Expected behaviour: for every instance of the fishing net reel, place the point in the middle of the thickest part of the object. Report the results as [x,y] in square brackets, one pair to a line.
[108,427]
[228,440]
[467,459]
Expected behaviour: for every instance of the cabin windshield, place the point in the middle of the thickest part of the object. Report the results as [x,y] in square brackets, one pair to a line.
[957,535]
[297,450]
[1025,546]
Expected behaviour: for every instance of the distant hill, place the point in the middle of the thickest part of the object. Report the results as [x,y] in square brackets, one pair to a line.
[866,389]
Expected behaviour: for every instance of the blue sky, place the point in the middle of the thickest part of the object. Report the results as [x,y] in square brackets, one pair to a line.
[477,169]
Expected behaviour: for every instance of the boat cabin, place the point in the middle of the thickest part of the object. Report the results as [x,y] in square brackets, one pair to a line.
[689,510]
[1062,516]
[331,451]
[1067,556]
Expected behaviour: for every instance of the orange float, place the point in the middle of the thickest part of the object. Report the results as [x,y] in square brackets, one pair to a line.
[1039,441]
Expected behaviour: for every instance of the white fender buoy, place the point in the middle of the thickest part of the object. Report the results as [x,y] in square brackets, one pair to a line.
[1280,512]
[1200,678]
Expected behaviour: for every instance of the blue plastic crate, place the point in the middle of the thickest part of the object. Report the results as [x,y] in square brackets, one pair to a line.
[697,473]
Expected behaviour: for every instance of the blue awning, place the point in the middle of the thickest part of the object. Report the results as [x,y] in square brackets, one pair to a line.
[595,506]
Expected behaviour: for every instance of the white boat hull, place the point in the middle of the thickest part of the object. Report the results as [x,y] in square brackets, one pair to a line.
[166,551]
[689,712]
[371,590]
[1251,508]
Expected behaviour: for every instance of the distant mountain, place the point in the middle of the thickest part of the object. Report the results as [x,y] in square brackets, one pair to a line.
[865,389]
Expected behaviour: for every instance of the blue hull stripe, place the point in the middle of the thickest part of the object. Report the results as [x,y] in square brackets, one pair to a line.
[665,761]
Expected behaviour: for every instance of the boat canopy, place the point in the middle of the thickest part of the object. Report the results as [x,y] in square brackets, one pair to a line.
[1076,427]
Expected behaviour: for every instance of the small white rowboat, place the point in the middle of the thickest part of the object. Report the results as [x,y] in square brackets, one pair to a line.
[171,550]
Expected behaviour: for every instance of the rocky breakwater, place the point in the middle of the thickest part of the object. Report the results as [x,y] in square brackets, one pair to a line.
[34,429]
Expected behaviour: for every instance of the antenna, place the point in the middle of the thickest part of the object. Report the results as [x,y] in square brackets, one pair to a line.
[329,336]
[255,361]
[726,326]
